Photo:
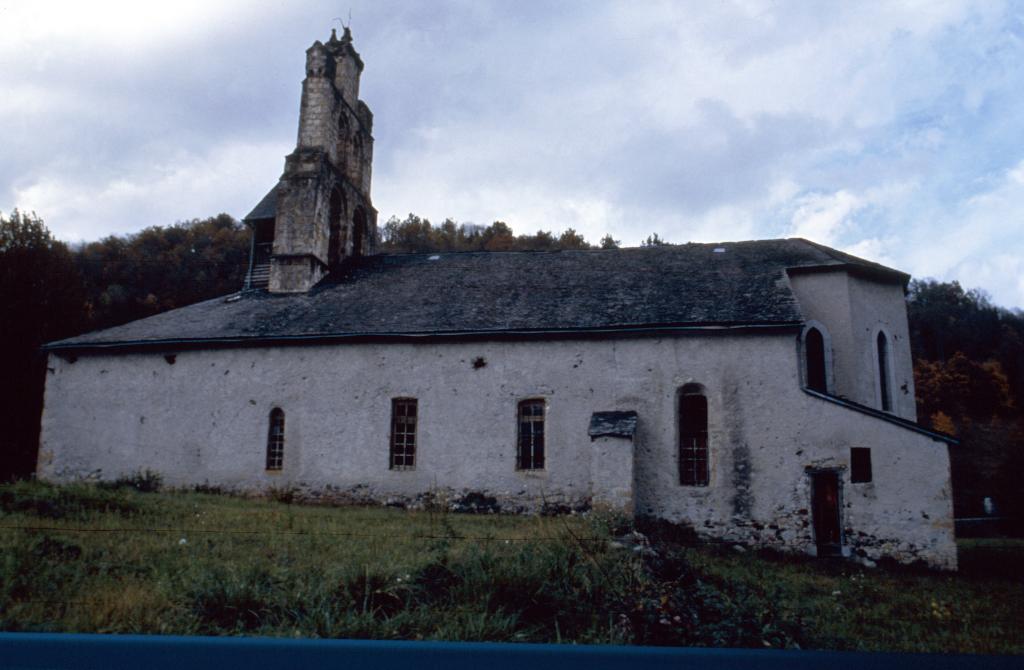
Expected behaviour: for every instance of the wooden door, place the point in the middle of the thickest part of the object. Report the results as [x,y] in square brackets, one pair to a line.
[825,511]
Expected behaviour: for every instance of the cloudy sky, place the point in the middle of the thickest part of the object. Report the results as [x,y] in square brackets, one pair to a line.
[893,130]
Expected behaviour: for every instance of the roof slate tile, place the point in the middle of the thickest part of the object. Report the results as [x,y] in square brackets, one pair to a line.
[510,292]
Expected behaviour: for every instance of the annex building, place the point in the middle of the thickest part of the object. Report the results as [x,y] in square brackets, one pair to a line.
[759,391]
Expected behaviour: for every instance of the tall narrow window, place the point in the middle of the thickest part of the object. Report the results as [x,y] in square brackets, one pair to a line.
[403,433]
[883,371]
[693,439]
[814,351]
[275,440]
[530,454]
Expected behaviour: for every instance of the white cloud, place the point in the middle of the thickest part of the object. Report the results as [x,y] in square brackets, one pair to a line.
[980,240]
[884,129]
[109,24]
[823,217]
[185,186]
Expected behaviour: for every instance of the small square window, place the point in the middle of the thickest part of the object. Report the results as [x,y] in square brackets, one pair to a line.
[860,465]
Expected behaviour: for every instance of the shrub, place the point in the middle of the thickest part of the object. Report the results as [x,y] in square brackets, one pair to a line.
[146,481]
[283,494]
[476,502]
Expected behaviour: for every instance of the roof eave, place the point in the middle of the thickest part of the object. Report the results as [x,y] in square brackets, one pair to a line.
[884,416]
[65,346]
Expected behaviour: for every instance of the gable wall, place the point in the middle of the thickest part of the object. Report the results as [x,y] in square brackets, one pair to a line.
[204,420]
[854,309]
[881,306]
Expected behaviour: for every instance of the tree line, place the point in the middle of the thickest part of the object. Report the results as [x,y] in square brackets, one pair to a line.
[414,234]
[50,290]
[969,354]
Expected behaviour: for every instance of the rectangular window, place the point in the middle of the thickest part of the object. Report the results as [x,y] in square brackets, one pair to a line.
[860,465]
[275,440]
[530,454]
[693,440]
[403,433]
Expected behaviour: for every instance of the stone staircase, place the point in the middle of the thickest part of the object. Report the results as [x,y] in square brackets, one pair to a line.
[258,276]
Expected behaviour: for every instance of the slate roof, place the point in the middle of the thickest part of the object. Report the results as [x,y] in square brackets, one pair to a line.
[265,208]
[510,294]
[612,424]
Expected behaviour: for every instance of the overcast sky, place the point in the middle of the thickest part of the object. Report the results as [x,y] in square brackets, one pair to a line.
[894,131]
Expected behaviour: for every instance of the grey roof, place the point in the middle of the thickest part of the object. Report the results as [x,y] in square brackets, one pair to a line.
[612,424]
[509,293]
[265,208]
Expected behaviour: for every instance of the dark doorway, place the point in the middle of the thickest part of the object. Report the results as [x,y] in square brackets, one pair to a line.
[825,513]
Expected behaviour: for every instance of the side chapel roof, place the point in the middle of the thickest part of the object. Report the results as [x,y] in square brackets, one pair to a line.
[484,294]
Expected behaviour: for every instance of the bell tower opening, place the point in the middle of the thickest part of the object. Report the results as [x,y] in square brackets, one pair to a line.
[358,231]
[334,243]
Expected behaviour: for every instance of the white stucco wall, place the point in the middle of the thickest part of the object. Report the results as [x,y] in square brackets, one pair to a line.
[203,419]
[853,309]
[611,472]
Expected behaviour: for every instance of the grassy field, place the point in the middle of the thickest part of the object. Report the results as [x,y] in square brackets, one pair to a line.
[89,559]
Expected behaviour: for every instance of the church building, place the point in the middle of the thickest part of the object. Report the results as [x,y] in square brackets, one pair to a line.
[761,392]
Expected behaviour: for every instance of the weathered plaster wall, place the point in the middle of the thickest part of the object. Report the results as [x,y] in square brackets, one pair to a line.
[881,306]
[611,472]
[853,309]
[203,419]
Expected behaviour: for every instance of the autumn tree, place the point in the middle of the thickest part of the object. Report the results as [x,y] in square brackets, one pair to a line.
[414,234]
[162,267]
[653,241]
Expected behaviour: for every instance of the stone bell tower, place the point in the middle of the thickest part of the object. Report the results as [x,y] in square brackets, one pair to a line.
[320,213]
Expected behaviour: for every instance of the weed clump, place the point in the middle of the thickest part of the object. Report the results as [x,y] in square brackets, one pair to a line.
[475,502]
[146,481]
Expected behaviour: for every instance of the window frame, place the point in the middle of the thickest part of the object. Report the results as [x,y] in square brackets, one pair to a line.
[533,463]
[275,440]
[691,473]
[403,440]
[826,344]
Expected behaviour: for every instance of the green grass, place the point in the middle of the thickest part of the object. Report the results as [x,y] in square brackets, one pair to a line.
[89,559]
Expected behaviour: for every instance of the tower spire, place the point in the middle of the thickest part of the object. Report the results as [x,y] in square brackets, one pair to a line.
[324,216]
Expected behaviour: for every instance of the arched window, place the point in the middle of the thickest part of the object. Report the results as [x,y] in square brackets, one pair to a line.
[693,437]
[275,440]
[814,359]
[883,371]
